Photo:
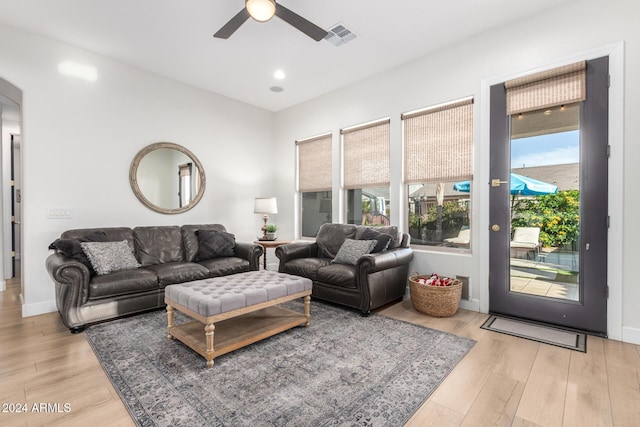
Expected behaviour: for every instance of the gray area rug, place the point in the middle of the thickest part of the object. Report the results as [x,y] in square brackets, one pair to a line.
[343,370]
[537,332]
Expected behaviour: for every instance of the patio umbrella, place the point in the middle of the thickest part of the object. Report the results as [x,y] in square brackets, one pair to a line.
[520,185]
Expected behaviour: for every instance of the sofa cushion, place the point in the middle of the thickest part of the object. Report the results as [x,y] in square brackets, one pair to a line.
[178,272]
[382,239]
[190,239]
[343,275]
[391,230]
[214,244]
[224,266]
[71,247]
[158,244]
[122,283]
[112,234]
[305,267]
[107,257]
[351,251]
[331,237]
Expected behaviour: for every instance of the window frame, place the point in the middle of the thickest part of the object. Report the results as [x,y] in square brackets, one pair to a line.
[406,183]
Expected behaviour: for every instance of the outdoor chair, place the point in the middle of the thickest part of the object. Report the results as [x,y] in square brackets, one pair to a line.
[527,240]
[462,240]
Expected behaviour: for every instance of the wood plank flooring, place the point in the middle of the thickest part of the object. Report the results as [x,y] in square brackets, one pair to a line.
[503,381]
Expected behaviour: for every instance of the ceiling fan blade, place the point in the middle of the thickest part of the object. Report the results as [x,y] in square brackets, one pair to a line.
[307,27]
[233,24]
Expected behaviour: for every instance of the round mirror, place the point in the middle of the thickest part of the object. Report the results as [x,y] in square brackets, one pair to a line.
[167,178]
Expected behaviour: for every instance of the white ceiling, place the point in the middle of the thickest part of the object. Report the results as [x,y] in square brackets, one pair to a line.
[174,38]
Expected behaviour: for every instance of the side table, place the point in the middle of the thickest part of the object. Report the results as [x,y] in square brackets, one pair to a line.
[269,244]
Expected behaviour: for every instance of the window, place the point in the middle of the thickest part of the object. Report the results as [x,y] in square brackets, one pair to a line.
[365,151]
[314,183]
[438,149]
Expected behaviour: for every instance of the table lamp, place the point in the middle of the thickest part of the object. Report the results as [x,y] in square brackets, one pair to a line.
[265,206]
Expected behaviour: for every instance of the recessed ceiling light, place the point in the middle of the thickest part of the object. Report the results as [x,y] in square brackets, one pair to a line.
[276,88]
[279,74]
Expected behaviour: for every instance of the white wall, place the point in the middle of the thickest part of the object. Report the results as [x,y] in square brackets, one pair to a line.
[80,137]
[569,32]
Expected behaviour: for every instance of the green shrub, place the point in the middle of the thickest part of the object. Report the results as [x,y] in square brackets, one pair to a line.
[454,217]
[557,215]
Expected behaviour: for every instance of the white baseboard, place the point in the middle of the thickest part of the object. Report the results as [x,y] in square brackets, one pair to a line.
[29,310]
[631,335]
[3,285]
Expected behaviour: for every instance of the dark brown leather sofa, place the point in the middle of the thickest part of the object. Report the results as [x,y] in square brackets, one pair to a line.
[167,254]
[375,280]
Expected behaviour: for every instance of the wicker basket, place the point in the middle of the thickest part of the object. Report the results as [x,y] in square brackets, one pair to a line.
[438,301]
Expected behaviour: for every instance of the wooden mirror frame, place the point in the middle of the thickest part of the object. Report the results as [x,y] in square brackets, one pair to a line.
[133,178]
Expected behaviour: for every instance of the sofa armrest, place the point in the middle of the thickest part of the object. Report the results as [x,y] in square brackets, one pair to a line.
[371,263]
[251,252]
[382,277]
[296,250]
[71,279]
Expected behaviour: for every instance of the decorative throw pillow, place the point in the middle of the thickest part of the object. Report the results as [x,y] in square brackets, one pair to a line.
[71,247]
[391,230]
[107,257]
[382,239]
[214,244]
[351,250]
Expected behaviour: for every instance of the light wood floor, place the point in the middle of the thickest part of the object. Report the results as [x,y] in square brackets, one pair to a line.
[503,380]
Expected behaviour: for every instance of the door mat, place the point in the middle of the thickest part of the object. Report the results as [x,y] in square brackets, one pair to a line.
[537,332]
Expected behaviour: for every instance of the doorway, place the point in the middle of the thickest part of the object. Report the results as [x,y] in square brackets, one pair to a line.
[548,238]
[10,124]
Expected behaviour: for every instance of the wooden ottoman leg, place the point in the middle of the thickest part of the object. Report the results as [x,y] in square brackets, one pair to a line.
[208,332]
[169,321]
[307,309]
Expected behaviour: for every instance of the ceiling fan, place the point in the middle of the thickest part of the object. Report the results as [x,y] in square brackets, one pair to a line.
[263,10]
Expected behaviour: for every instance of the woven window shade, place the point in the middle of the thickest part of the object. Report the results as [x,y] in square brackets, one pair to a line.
[562,85]
[438,143]
[314,164]
[366,155]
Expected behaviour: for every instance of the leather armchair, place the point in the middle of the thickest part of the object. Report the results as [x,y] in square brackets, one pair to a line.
[376,280]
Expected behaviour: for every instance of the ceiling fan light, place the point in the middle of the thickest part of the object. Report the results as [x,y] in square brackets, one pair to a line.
[261,10]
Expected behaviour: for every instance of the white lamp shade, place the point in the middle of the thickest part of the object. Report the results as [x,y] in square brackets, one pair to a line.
[261,10]
[265,205]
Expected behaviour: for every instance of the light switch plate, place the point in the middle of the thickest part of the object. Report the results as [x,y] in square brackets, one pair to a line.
[59,213]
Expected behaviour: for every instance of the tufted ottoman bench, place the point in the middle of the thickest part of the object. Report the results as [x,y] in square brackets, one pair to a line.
[240,308]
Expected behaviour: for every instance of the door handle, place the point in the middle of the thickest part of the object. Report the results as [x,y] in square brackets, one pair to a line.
[495,182]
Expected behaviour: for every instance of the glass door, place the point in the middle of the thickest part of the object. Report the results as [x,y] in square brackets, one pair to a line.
[544,180]
[548,209]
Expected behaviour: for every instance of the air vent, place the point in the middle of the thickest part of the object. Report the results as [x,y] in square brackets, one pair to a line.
[339,35]
[466,290]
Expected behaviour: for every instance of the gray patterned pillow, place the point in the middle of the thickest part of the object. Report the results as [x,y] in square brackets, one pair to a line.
[351,250]
[107,257]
